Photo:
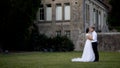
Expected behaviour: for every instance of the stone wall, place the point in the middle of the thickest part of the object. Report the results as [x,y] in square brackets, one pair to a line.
[109,41]
[106,42]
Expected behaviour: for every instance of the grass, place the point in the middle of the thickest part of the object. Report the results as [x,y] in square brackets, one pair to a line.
[57,60]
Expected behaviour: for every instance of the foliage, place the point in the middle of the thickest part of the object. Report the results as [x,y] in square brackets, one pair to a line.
[62,43]
[16,18]
[114,14]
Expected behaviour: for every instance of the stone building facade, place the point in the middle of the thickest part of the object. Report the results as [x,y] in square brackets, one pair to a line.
[71,18]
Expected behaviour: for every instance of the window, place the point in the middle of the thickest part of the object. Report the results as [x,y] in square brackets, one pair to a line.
[99,18]
[41,12]
[48,12]
[104,18]
[67,33]
[96,18]
[58,33]
[94,15]
[87,13]
[58,12]
[67,11]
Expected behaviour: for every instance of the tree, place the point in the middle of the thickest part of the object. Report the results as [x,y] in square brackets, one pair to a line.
[16,18]
[114,14]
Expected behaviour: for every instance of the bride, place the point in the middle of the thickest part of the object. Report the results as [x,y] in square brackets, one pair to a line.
[88,54]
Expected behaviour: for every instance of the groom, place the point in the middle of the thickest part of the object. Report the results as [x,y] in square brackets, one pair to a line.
[94,43]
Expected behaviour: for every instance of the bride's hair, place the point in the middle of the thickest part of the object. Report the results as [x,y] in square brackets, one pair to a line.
[87,30]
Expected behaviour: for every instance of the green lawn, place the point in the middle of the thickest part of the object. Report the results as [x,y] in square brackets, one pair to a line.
[57,60]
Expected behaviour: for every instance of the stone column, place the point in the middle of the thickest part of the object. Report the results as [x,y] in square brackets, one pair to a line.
[53,23]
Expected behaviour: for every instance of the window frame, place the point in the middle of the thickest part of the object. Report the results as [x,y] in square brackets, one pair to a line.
[48,6]
[68,5]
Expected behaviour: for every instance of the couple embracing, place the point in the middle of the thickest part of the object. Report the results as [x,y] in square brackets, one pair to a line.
[90,52]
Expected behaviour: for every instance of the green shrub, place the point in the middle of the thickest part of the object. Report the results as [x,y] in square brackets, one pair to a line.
[48,44]
[62,43]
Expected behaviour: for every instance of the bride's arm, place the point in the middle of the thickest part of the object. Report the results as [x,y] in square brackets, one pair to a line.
[90,37]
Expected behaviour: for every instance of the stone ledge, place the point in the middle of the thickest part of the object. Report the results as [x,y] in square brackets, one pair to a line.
[109,33]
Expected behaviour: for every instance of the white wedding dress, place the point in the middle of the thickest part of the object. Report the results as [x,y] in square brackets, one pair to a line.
[88,54]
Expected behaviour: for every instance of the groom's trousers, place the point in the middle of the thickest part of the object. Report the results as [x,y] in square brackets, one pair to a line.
[95,49]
